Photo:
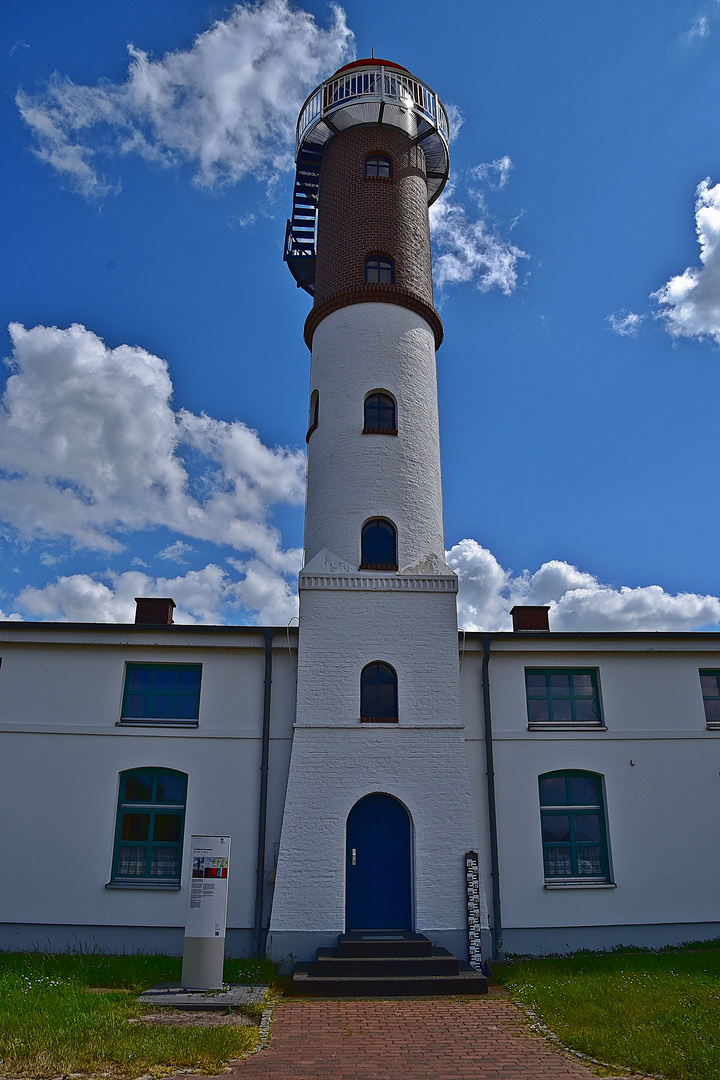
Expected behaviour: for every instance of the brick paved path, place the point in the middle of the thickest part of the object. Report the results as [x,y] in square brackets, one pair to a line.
[408,1039]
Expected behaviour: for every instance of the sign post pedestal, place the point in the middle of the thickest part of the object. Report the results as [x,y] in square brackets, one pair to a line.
[204,947]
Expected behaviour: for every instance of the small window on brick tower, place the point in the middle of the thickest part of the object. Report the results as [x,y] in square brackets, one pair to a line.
[378,694]
[379,545]
[378,167]
[379,271]
[380,416]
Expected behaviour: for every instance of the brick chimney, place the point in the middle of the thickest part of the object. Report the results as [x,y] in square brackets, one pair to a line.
[154,610]
[530,618]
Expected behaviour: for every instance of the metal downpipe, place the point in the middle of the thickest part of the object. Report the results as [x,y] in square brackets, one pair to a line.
[258,943]
[497,949]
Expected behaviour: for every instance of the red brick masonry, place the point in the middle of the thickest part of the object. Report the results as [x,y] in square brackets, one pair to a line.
[411,1039]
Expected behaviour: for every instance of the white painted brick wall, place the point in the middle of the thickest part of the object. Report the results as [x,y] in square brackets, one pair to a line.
[352,476]
[330,770]
[415,632]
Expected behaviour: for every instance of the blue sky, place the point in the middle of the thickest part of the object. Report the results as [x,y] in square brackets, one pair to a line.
[153,418]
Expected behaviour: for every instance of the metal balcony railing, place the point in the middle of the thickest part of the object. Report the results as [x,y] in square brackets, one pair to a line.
[384,95]
[363,95]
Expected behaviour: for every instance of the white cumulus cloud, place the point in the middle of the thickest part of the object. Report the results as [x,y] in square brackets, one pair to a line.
[209,595]
[227,106]
[176,552]
[690,302]
[625,323]
[577,599]
[91,449]
[473,251]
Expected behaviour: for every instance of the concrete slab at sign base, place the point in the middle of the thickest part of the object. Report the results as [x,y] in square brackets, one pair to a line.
[203,960]
[167,995]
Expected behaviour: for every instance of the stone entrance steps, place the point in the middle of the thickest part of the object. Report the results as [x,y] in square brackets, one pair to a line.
[385,965]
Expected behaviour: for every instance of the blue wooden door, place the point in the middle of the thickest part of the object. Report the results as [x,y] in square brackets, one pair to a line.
[378,865]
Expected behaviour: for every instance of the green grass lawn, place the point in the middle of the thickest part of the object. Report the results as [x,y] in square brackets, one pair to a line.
[53,1020]
[653,1012]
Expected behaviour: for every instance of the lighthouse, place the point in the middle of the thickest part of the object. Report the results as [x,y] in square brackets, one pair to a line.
[378,814]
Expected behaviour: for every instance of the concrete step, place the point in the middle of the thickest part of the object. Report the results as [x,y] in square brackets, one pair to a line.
[401,944]
[309,985]
[441,962]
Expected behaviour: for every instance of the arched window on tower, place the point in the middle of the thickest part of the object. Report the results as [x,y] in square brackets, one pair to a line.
[379,271]
[378,545]
[378,167]
[380,414]
[314,412]
[378,694]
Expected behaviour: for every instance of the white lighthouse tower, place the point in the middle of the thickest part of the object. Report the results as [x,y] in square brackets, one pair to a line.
[378,814]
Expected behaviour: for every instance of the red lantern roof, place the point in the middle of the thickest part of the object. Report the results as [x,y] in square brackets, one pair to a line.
[369,62]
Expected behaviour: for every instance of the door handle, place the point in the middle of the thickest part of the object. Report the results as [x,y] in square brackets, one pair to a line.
[353,857]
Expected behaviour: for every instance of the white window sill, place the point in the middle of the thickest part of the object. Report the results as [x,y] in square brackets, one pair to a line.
[713,725]
[552,885]
[154,886]
[156,723]
[552,726]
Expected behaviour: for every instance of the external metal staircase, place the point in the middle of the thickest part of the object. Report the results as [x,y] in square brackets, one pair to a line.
[300,232]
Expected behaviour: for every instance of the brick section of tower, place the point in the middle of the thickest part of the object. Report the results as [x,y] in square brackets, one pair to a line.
[362,216]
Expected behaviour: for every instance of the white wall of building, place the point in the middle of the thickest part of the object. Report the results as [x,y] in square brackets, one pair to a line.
[661,773]
[62,754]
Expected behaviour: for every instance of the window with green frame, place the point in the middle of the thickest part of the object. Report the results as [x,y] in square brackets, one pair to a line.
[149,828]
[574,836]
[563,696]
[710,683]
[161,693]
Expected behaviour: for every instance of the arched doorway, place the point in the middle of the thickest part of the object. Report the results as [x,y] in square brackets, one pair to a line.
[378,893]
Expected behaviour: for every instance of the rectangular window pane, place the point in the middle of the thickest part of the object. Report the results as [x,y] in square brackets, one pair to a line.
[558,862]
[562,710]
[583,791]
[166,827]
[162,706]
[582,682]
[585,710]
[135,706]
[132,862]
[712,710]
[165,862]
[164,679]
[538,710]
[139,679]
[556,828]
[138,788]
[386,700]
[185,707]
[709,684]
[559,684]
[536,684]
[586,828]
[553,791]
[589,861]
[135,827]
[170,789]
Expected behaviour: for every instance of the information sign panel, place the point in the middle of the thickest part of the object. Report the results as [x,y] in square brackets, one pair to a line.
[206,918]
